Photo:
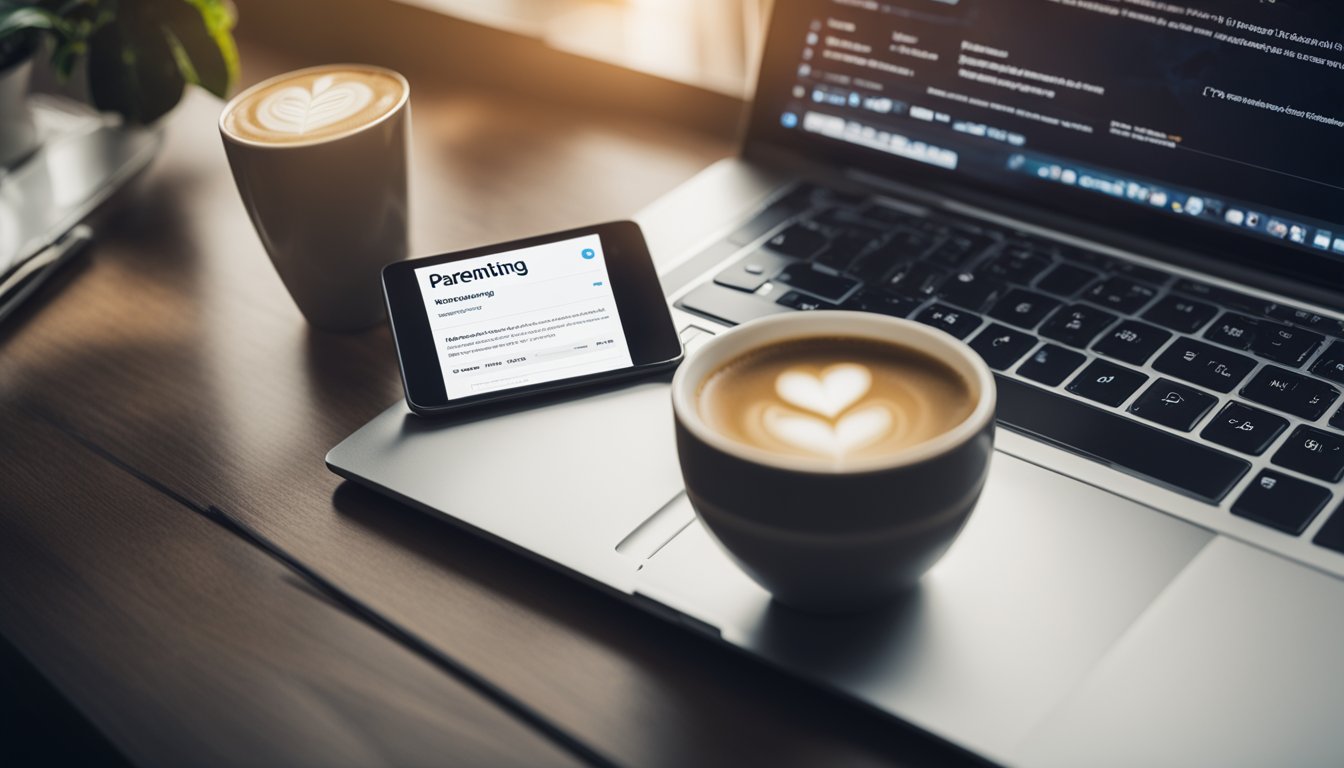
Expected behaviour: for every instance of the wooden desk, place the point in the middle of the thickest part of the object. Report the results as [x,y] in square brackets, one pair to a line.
[169,372]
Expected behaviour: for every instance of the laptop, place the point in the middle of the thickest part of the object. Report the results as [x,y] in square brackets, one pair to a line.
[1135,212]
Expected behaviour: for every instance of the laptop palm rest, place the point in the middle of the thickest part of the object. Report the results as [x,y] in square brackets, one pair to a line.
[567,479]
[1044,579]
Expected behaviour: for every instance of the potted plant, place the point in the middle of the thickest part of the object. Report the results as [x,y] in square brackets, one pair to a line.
[139,55]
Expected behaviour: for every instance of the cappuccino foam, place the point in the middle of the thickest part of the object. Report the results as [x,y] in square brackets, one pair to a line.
[314,104]
[842,398]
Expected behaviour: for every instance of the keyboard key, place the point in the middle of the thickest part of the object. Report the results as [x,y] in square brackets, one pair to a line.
[1180,314]
[1308,319]
[1002,346]
[1337,421]
[801,241]
[1173,405]
[1077,325]
[845,198]
[1290,392]
[916,279]
[1119,441]
[839,217]
[971,290]
[1285,344]
[1313,452]
[1330,365]
[726,304]
[863,233]
[960,249]
[903,245]
[937,229]
[1051,364]
[1121,294]
[846,248]
[1243,428]
[753,270]
[1222,296]
[1024,308]
[1281,502]
[803,302]
[871,268]
[773,215]
[1107,383]
[1065,280]
[1086,257]
[1017,264]
[1280,343]
[805,277]
[888,215]
[955,321]
[1140,272]
[1331,535]
[881,302]
[1132,342]
[1233,330]
[1204,364]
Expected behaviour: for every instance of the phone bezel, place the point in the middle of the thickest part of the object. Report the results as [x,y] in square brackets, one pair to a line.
[645,317]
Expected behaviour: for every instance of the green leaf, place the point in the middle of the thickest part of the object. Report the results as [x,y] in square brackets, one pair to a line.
[65,56]
[132,70]
[13,20]
[140,54]
[198,32]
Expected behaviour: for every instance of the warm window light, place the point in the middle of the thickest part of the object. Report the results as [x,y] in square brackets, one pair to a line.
[709,43]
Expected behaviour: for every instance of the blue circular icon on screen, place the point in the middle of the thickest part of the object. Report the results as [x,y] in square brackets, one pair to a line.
[788,119]
[588,253]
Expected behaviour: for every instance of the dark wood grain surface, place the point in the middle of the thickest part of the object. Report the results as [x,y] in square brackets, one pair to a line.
[169,372]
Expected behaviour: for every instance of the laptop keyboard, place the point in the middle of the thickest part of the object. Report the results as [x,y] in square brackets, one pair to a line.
[1180,382]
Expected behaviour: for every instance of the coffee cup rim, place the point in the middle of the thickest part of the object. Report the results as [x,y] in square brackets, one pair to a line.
[248,91]
[828,324]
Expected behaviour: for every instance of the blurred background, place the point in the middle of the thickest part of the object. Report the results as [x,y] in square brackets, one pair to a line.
[712,44]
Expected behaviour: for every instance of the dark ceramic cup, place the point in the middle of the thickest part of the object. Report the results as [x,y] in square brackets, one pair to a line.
[820,538]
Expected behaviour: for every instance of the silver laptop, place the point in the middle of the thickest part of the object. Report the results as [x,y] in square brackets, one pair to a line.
[1135,212]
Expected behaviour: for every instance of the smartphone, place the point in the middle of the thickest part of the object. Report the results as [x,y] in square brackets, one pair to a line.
[533,315]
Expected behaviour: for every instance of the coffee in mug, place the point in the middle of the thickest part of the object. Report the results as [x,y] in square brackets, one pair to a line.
[837,398]
[834,455]
[314,105]
[319,156]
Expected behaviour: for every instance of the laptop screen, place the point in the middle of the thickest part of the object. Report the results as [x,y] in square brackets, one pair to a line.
[1197,116]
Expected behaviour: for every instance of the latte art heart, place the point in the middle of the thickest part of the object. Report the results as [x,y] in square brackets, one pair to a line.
[296,110]
[854,431]
[833,401]
[836,389]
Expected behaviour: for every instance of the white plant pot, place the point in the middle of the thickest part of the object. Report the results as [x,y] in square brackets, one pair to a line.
[18,135]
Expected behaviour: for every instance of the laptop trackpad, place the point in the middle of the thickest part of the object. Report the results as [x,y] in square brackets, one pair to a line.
[1043,580]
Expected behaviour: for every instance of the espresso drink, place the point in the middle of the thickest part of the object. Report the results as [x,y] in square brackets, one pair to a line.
[314,105]
[836,398]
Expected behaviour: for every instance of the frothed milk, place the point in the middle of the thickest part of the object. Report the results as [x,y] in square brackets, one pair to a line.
[835,398]
[314,105]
